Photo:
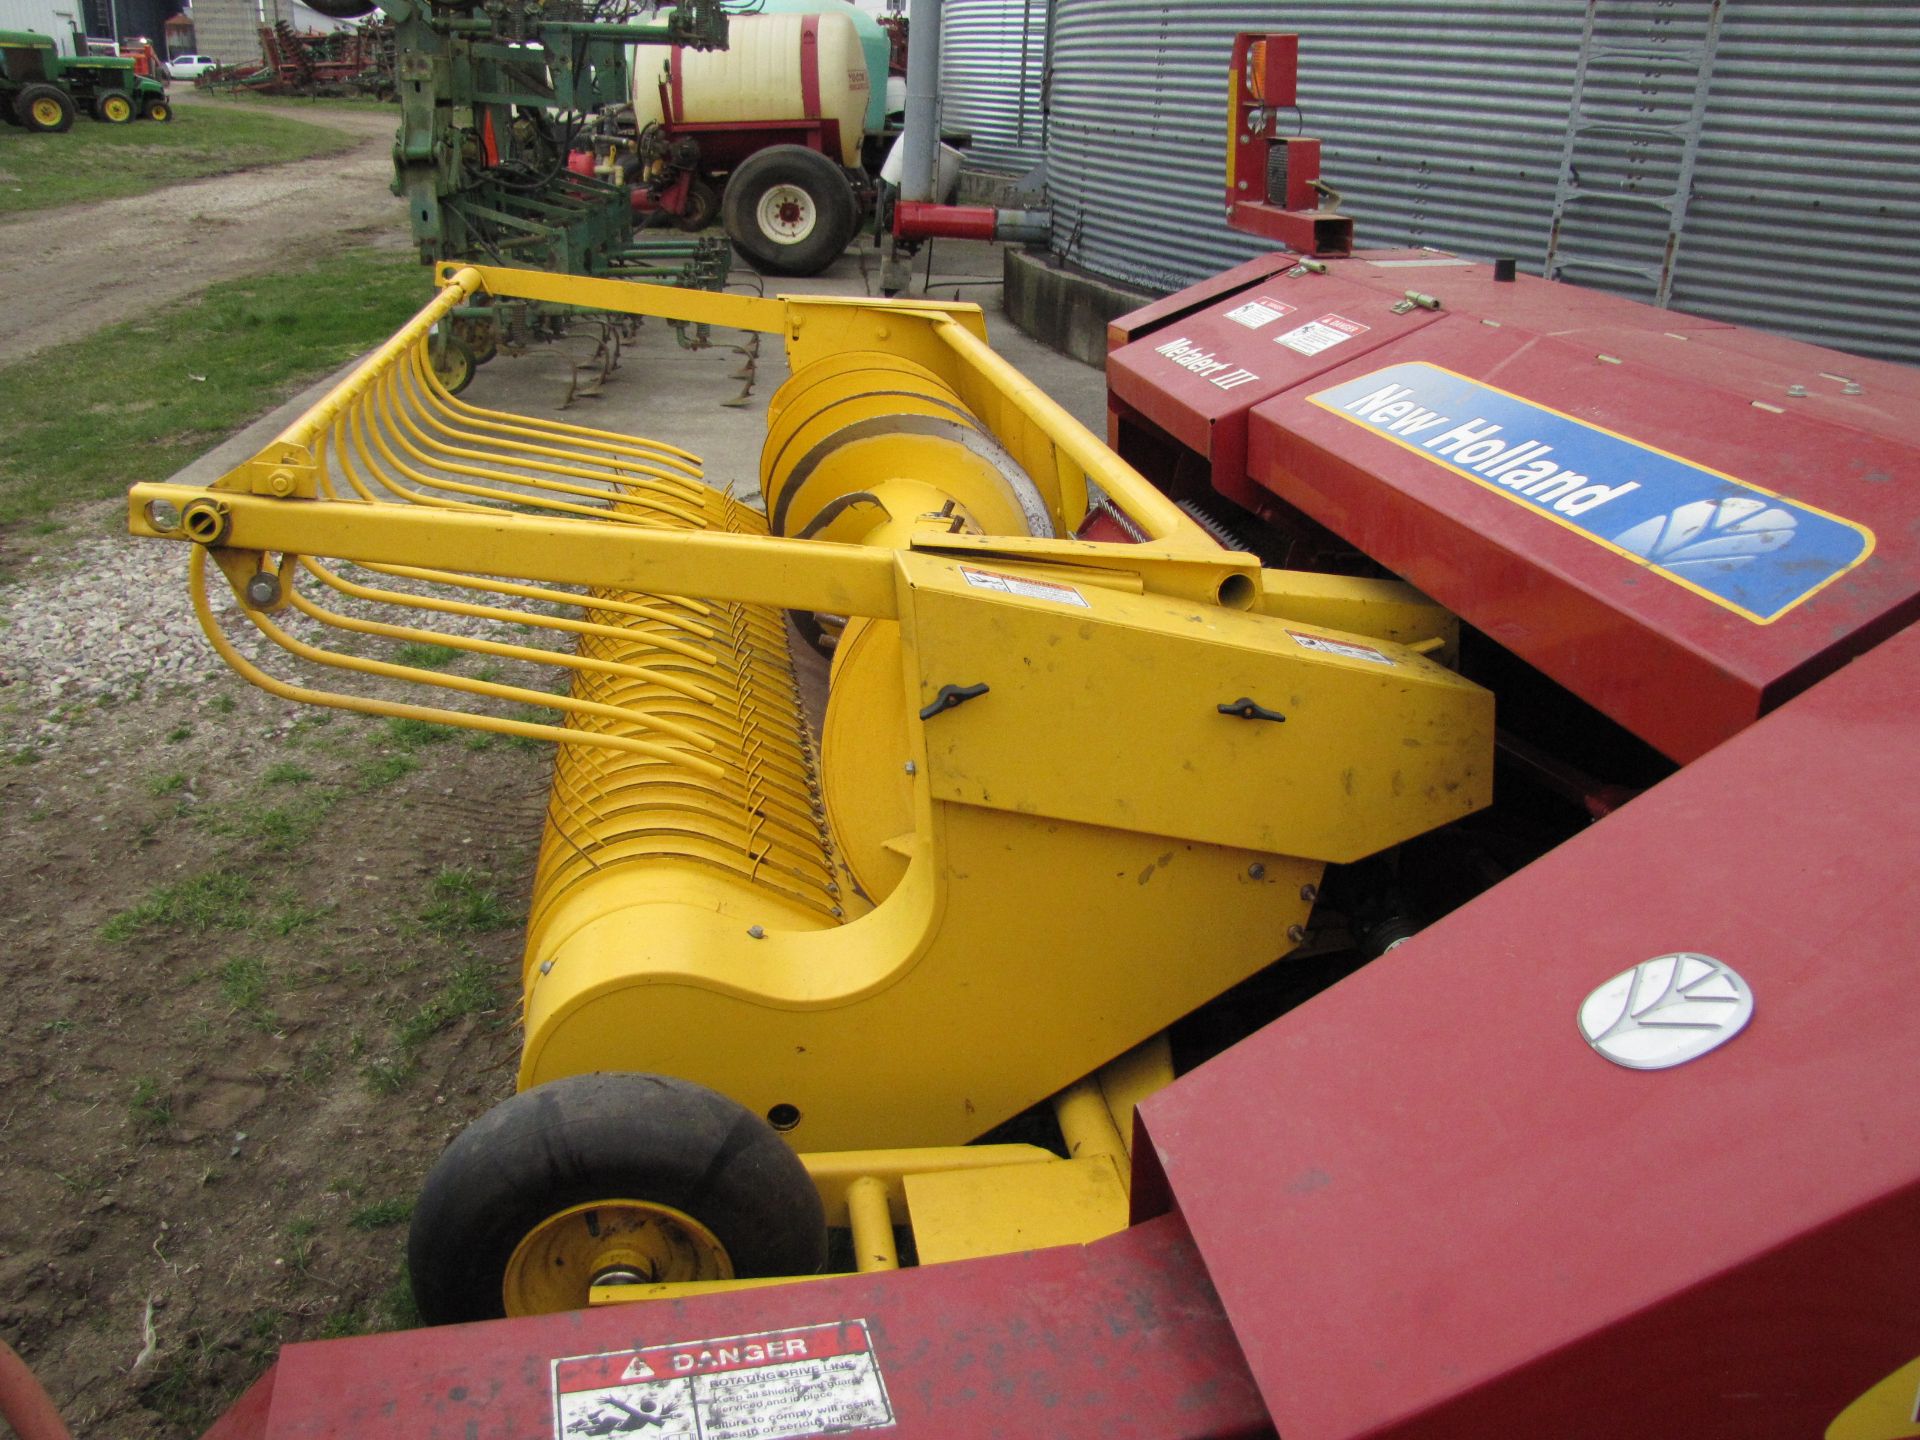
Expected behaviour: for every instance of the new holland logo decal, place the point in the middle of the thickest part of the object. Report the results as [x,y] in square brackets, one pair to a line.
[1742,547]
[1666,1011]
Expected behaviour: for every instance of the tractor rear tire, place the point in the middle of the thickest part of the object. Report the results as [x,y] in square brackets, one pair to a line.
[46,109]
[113,109]
[161,110]
[789,211]
[594,1158]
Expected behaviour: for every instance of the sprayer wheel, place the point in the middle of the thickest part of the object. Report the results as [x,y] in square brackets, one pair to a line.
[630,1177]
[113,110]
[789,211]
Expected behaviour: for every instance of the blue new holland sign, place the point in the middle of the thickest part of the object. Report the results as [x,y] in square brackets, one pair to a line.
[1738,545]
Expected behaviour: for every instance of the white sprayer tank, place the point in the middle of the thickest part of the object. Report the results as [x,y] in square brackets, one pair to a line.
[775,68]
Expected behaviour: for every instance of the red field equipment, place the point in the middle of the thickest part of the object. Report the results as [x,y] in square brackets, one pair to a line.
[1273,181]
[1627,1140]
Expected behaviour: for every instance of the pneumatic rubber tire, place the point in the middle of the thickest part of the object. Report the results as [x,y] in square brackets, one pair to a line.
[601,1138]
[160,110]
[113,110]
[789,211]
[703,207]
[45,109]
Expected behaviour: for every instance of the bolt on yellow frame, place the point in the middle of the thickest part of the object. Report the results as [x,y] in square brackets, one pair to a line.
[1065,792]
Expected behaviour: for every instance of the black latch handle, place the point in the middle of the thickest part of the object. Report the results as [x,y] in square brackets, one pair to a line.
[1247,709]
[950,696]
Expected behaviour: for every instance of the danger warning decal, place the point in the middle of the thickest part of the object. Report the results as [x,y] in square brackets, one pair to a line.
[1322,334]
[780,1384]
[1261,310]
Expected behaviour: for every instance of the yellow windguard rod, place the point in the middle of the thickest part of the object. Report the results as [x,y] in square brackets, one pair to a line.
[395,535]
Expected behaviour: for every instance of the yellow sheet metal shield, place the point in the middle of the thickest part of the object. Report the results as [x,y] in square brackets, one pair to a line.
[1106,709]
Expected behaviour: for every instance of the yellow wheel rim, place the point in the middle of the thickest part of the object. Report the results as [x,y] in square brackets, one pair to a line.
[117,109]
[452,367]
[555,1266]
[46,112]
[158,112]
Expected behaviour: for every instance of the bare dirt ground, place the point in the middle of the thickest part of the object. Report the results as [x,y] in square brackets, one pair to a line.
[168,244]
[261,960]
[262,963]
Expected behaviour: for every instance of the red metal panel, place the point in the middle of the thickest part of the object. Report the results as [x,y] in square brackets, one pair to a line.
[246,1418]
[1194,297]
[1432,1211]
[1280,71]
[1119,1339]
[1307,230]
[1628,641]
[810,66]
[1828,431]
[1199,375]
[724,144]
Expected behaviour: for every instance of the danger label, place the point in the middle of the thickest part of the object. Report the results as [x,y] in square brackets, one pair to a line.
[1018,585]
[1261,310]
[1322,334]
[816,1380]
[1340,647]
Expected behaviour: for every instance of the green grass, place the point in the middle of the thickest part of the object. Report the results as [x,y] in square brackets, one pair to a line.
[215,900]
[150,1109]
[243,986]
[295,103]
[464,904]
[379,771]
[381,1214]
[278,830]
[290,913]
[298,1256]
[86,420]
[427,657]
[469,990]
[285,772]
[101,162]
[408,733]
[166,784]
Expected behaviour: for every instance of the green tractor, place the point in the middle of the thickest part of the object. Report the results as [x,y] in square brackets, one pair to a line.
[42,89]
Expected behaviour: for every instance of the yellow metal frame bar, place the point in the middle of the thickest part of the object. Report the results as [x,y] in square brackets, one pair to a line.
[796,574]
[865,1191]
[957,327]
[392,473]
